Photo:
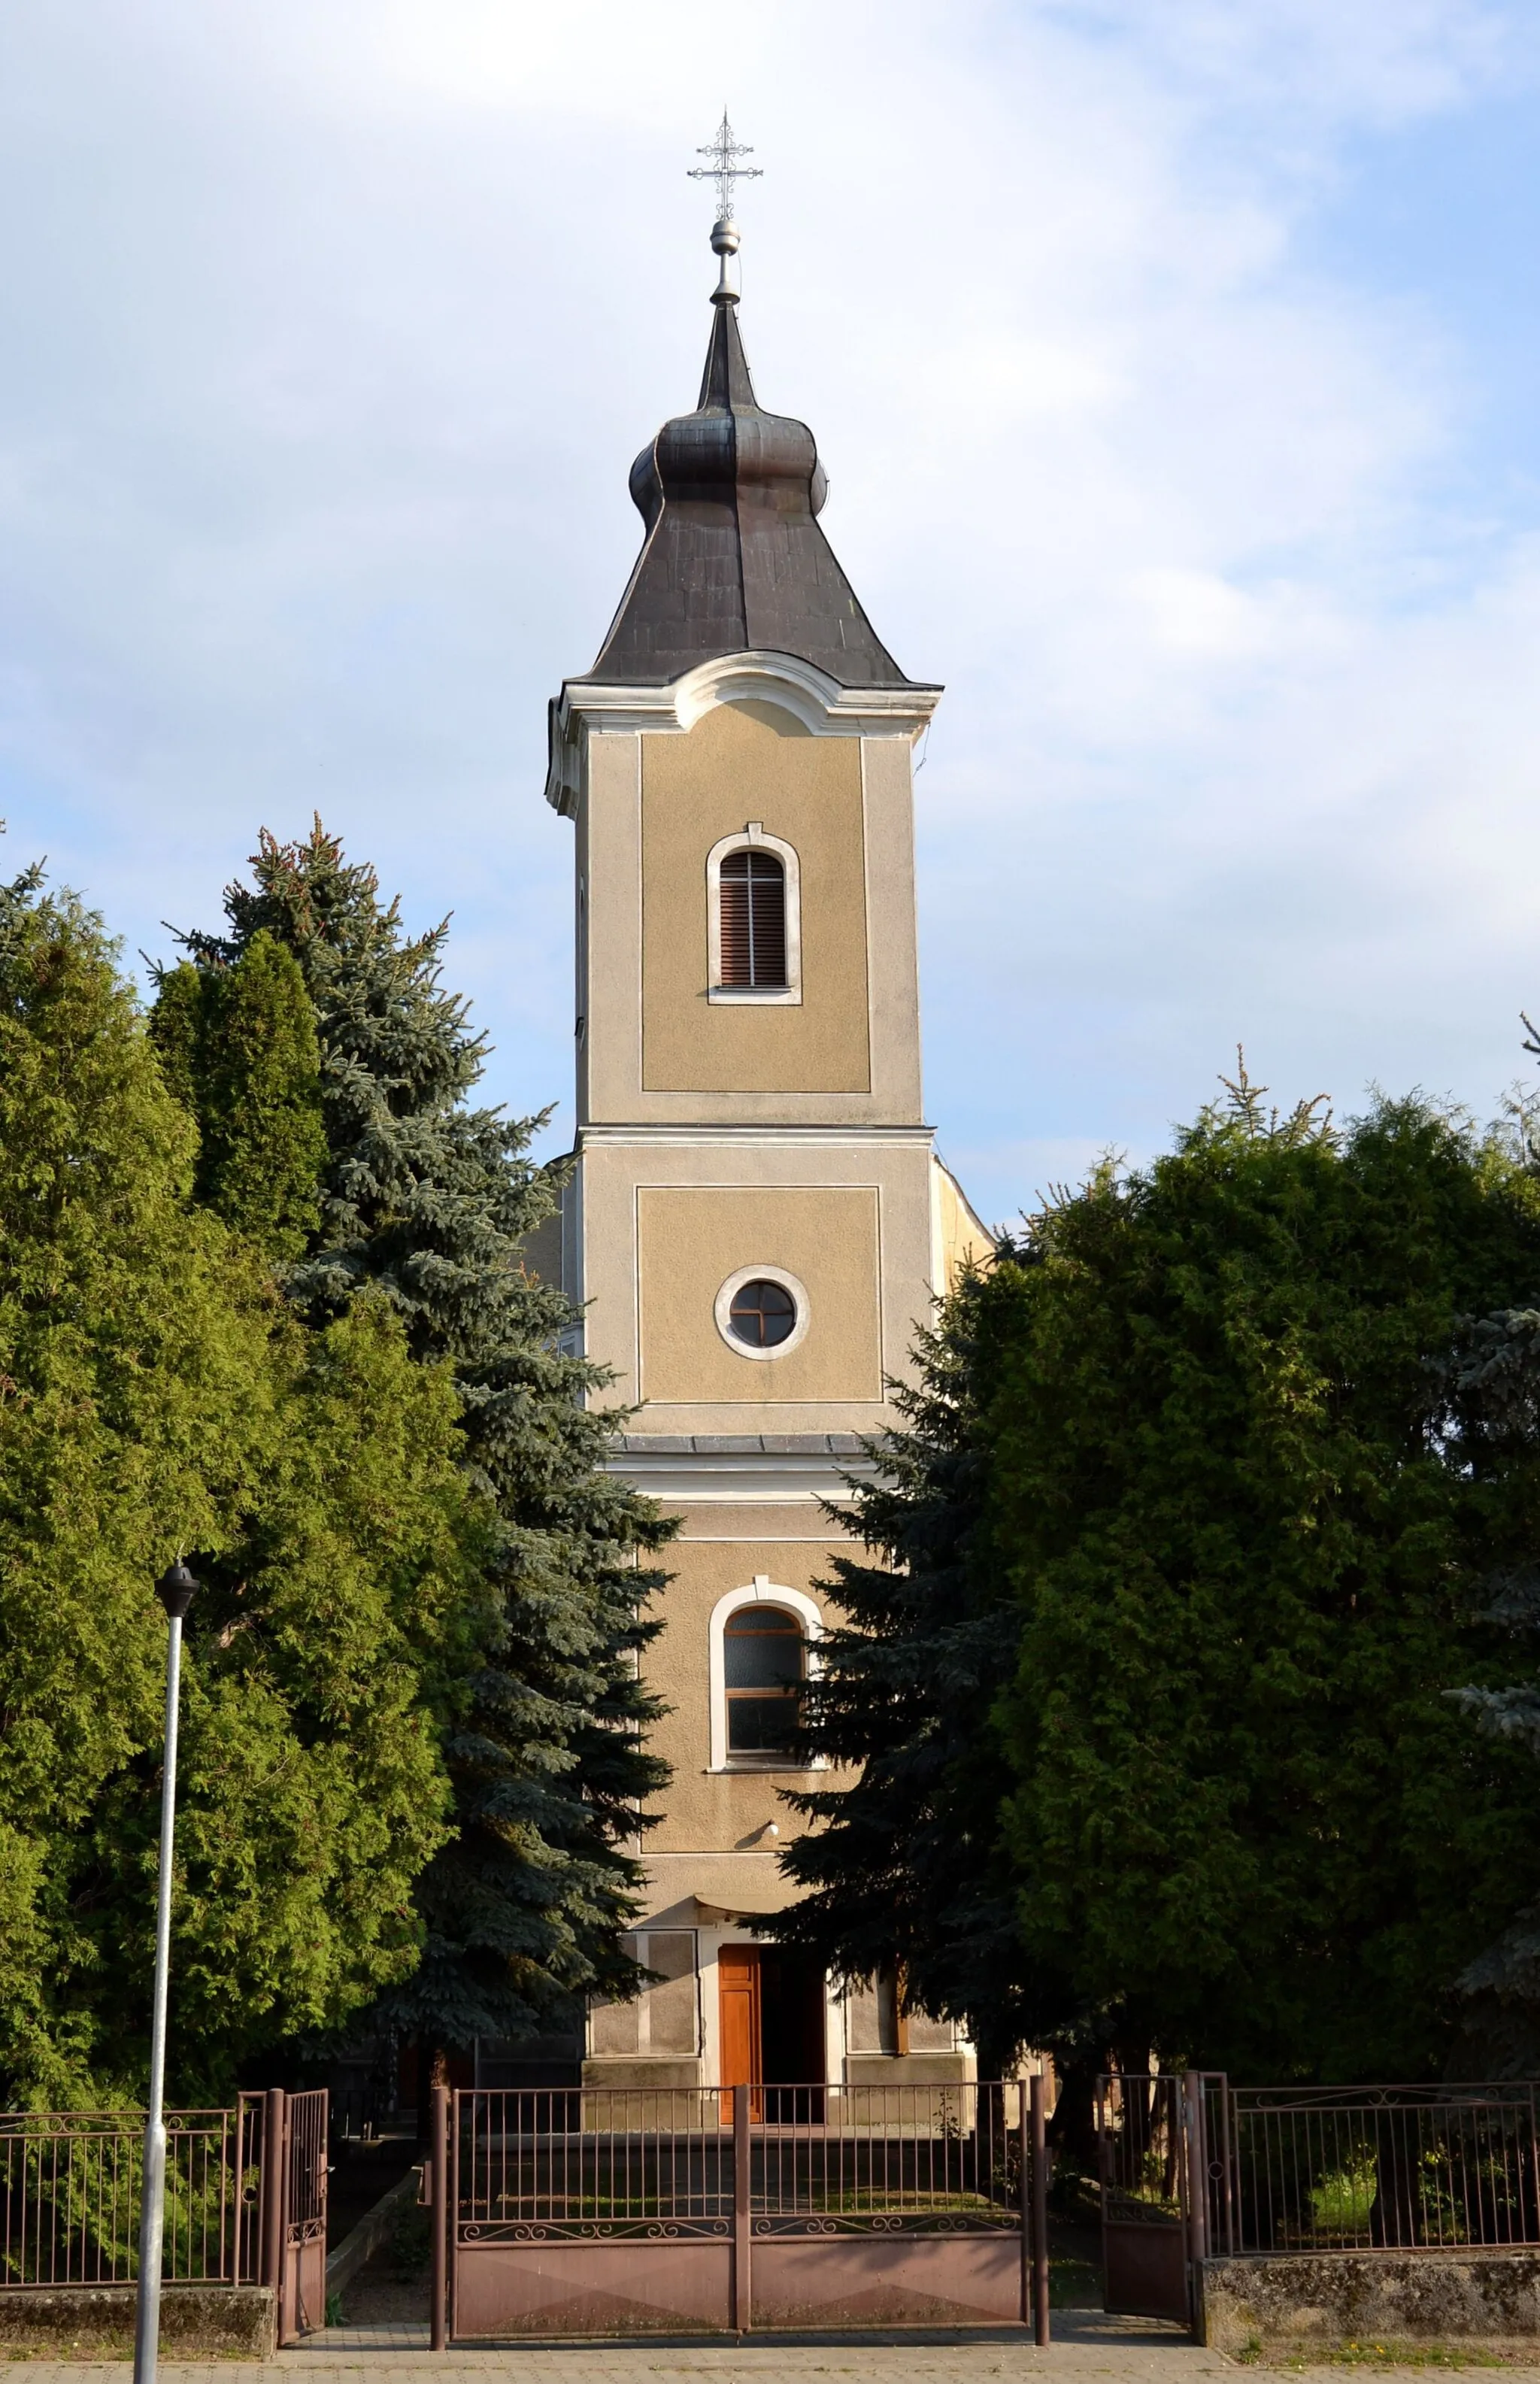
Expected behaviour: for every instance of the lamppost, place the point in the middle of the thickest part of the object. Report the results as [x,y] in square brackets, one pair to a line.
[174,1589]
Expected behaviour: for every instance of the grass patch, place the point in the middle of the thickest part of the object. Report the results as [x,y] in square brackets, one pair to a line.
[1299,2356]
[1073,2283]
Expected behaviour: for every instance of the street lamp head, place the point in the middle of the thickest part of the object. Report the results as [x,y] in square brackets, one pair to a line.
[175,1589]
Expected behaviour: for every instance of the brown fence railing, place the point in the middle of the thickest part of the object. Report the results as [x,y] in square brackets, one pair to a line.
[613,2161]
[824,2159]
[889,2159]
[69,2195]
[1405,2168]
[1250,2169]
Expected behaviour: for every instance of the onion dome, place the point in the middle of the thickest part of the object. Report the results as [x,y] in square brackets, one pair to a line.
[734,559]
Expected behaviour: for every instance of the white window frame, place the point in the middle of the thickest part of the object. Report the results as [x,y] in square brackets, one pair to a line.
[752,837]
[722,1310]
[760,1591]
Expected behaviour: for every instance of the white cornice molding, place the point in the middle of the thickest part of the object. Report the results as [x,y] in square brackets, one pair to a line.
[739,1478]
[816,701]
[709,1136]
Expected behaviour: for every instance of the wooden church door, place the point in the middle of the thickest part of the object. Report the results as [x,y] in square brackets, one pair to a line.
[741,2030]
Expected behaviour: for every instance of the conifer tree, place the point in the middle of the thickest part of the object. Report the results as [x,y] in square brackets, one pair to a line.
[238,1047]
[429,1199]
[906,1872]
[1492,1420]
[156,1396]
[1188,1547]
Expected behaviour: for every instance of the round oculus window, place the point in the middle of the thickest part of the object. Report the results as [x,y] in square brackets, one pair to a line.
[761,1314]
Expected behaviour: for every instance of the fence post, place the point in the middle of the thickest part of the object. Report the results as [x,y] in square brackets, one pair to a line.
[1198,2192]
[1039,2210]
[438,2334]
[275,2200]
[1023,2188]
[743,2308]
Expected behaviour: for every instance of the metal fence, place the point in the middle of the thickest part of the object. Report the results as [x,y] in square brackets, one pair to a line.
[559,2211]
[557,2161]
[69,2197]
[1140,2125]
[883,2159]
[1404,2168]
[618,2160]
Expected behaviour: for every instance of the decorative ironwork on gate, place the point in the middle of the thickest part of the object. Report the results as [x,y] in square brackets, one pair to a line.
[573,2211]
[540,2165]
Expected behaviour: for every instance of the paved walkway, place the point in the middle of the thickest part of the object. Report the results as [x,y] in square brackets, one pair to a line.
[1085,2345]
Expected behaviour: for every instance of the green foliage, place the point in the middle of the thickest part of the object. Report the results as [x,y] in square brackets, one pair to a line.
[906,1872]
[238,1047]
[427,1201]
[1493,1383]
[1172,1567]
[1248,1822]
[156,1397]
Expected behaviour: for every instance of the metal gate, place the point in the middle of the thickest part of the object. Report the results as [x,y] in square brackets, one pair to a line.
[1154,2174]
[294,2208]
[617,2210]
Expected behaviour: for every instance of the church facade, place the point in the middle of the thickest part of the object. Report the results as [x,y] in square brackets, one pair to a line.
[757,1221]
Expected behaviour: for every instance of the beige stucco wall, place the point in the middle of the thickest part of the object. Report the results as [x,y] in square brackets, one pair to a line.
[691,1238]
[961,1237]
[711,1812]
[740,764]
[680,1274]
[853,1044]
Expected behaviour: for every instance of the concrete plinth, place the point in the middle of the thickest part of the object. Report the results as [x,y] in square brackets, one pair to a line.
[97,2321]
[1330,2298]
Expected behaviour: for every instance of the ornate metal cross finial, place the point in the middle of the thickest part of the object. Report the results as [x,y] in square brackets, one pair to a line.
[722,170]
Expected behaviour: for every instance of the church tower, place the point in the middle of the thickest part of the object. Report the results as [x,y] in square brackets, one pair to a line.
[756,1223]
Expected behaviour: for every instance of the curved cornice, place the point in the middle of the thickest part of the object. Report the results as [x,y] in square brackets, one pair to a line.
[817,702]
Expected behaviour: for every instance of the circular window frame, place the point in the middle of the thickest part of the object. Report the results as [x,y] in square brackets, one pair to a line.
[787,1283]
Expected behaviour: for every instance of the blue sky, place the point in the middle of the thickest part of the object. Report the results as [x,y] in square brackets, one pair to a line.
[1176,368]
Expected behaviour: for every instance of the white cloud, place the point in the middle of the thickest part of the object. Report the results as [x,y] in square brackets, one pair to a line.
[330,333]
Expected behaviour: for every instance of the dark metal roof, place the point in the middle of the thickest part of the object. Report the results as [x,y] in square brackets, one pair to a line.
[734,558]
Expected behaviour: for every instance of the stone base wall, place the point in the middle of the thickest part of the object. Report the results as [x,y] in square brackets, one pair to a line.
[1379,2296]
[620,2071]
[97,2321]
[909,2069]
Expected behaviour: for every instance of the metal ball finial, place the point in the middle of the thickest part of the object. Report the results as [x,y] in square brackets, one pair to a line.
[175,1589]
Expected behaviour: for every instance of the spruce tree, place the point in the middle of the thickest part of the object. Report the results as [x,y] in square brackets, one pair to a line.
[158,1395]
[429,1199]
[906,1871]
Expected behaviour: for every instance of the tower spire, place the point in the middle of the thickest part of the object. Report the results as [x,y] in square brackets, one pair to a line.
[724,171]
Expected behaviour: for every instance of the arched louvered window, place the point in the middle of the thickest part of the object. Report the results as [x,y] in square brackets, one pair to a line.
[754,920]
[753,908]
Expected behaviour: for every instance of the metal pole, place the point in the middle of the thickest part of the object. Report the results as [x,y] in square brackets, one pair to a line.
[438,2315]
[1039,2210]
[743,2307]
[175,1590]
[1197,2194]
[1024,2196]
[275,2200]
